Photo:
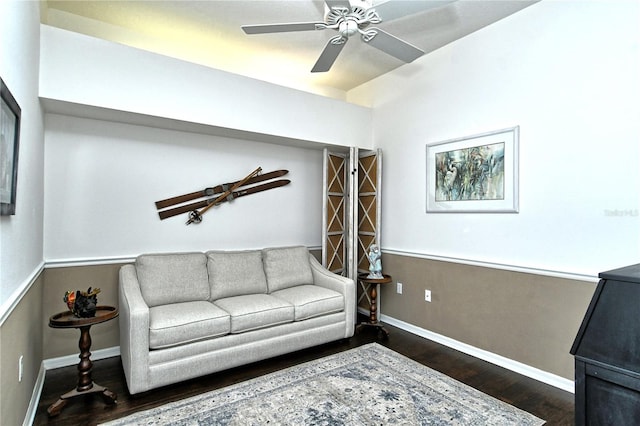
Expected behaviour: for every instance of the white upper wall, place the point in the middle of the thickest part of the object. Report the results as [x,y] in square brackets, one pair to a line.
[567,74]
[103,179]
[126,127]
[78,69]
[21,235]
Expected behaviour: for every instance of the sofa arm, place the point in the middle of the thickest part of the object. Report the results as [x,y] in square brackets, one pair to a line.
[346,286]
[134,330]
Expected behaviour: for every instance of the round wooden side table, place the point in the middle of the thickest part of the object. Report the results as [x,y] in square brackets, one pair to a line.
[371,284]
[85,383]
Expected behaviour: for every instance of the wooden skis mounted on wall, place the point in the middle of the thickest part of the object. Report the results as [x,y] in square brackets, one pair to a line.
[210,192]
[196,215]
[220,193]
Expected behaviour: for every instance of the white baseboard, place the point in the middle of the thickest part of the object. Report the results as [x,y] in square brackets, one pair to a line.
[30,415]
[509,364]
[65,361]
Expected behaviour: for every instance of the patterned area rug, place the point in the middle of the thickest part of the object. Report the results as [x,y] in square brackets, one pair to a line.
[369,385]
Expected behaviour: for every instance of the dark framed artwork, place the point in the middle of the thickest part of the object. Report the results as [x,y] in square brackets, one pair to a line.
[474,174]
[9,148]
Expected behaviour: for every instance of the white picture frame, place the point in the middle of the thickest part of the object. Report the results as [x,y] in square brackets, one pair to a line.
[474,174]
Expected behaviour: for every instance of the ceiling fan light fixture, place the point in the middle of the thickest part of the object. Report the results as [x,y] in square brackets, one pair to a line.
[348,27]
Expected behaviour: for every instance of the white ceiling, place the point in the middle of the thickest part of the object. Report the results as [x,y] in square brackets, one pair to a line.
[209,33]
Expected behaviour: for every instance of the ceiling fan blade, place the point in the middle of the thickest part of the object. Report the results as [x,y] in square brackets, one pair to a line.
[394,9]
[392,45]
[338,3]
[329,54]
[282,28]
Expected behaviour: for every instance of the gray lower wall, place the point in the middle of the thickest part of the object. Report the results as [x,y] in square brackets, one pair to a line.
[529,318]
[21,334]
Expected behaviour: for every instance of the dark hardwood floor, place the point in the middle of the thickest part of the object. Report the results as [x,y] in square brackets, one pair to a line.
[544,401]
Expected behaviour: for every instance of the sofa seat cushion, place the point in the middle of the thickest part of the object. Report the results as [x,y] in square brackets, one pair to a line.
[254,311]
[235,273]
[287,267]
[311,301]
[173,277]
[179,323]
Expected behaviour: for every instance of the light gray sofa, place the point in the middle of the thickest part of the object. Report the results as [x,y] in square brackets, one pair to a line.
[184,315]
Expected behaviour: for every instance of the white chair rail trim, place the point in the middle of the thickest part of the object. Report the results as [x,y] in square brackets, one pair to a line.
[505,267]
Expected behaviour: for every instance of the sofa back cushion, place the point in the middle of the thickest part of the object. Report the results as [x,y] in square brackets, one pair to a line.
[235,273]
[286,267]
[172,277]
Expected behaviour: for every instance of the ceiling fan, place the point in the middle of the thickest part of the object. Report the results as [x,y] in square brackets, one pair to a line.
[350,17]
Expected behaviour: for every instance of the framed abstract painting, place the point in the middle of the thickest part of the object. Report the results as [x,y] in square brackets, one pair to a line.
[474,174]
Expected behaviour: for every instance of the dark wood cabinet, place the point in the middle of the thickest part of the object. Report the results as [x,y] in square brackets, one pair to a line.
[607,352]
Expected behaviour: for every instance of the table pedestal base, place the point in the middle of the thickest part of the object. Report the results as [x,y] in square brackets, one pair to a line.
[382,332]
[85,383]
[108,396]
[372,287]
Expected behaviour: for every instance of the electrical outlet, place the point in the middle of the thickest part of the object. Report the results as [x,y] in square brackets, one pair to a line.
[399,288]
[427,295]
[20,367]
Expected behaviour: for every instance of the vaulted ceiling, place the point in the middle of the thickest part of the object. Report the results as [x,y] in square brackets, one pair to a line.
[209,33]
